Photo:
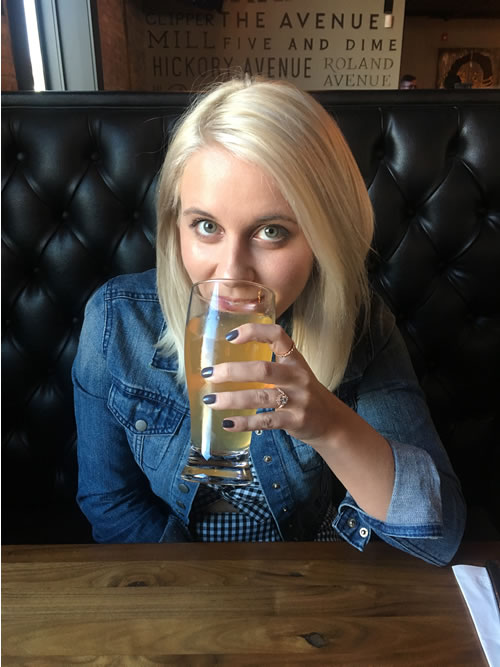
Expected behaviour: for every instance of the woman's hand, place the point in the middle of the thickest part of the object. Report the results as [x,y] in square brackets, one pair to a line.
[359,456]
[309,414]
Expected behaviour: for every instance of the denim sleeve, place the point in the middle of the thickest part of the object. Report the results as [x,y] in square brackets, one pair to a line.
[426,515]
[113,492]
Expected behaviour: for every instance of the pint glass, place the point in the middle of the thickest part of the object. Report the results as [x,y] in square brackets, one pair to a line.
[216,307]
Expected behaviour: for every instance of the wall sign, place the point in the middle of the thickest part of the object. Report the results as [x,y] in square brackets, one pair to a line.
[318,44]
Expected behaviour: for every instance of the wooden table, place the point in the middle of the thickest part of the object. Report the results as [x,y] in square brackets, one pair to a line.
[234,604]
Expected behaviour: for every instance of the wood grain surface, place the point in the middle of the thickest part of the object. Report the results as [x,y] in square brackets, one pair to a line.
[234,604]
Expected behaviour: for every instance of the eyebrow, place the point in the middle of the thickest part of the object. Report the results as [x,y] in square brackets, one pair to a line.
[271,217]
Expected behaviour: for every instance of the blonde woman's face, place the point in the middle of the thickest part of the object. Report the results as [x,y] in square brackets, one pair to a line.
[234,223]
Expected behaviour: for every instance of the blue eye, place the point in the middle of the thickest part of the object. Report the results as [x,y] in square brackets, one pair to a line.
[273,233]
[205,227]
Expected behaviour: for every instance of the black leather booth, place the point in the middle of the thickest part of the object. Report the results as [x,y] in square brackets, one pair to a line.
[78,183]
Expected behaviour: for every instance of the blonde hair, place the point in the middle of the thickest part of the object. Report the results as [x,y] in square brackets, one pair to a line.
[284,131]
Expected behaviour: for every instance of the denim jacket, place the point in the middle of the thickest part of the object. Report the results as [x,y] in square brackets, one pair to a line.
[134,436]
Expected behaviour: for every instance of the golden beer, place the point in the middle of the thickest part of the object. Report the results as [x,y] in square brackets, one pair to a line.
[206,345]
[216,307]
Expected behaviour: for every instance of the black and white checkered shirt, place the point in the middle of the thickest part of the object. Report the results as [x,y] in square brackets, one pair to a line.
[253,522]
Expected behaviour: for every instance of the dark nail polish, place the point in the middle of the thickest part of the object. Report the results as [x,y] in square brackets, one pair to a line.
[227,423]
[232,335]
[209,399]
[207,372]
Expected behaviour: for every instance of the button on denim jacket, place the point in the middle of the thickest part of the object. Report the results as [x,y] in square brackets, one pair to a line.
[134,436]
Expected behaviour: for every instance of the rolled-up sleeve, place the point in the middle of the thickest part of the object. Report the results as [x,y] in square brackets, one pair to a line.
[426,515]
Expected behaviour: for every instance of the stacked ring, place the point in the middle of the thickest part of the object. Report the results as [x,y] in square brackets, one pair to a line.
[287,354]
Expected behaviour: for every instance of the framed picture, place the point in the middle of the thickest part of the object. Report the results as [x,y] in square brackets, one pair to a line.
[468,68]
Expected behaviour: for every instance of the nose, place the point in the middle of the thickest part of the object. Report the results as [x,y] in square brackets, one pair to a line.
[236,261]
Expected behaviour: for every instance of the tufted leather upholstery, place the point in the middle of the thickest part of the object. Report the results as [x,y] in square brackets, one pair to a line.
[78,207]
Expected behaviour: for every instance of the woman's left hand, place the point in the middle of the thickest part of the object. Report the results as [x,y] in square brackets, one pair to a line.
[310,411]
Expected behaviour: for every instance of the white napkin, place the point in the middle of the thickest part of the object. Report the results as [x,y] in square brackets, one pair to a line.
[478,592]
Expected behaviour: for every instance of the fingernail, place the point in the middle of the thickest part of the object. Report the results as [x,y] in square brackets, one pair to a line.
[232,335]
[208,399]
[227,423]
[207,372]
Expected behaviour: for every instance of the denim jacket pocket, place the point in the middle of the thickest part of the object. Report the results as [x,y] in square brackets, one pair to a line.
[151,422]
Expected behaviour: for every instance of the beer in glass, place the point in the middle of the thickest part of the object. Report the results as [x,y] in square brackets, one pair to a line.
[217,307]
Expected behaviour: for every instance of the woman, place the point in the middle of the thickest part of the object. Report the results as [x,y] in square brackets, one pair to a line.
[259,184]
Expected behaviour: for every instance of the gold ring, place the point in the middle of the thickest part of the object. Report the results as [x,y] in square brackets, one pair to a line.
[287,354]
[281,399]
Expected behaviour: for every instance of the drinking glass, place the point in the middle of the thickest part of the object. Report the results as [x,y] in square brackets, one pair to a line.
[216,307]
